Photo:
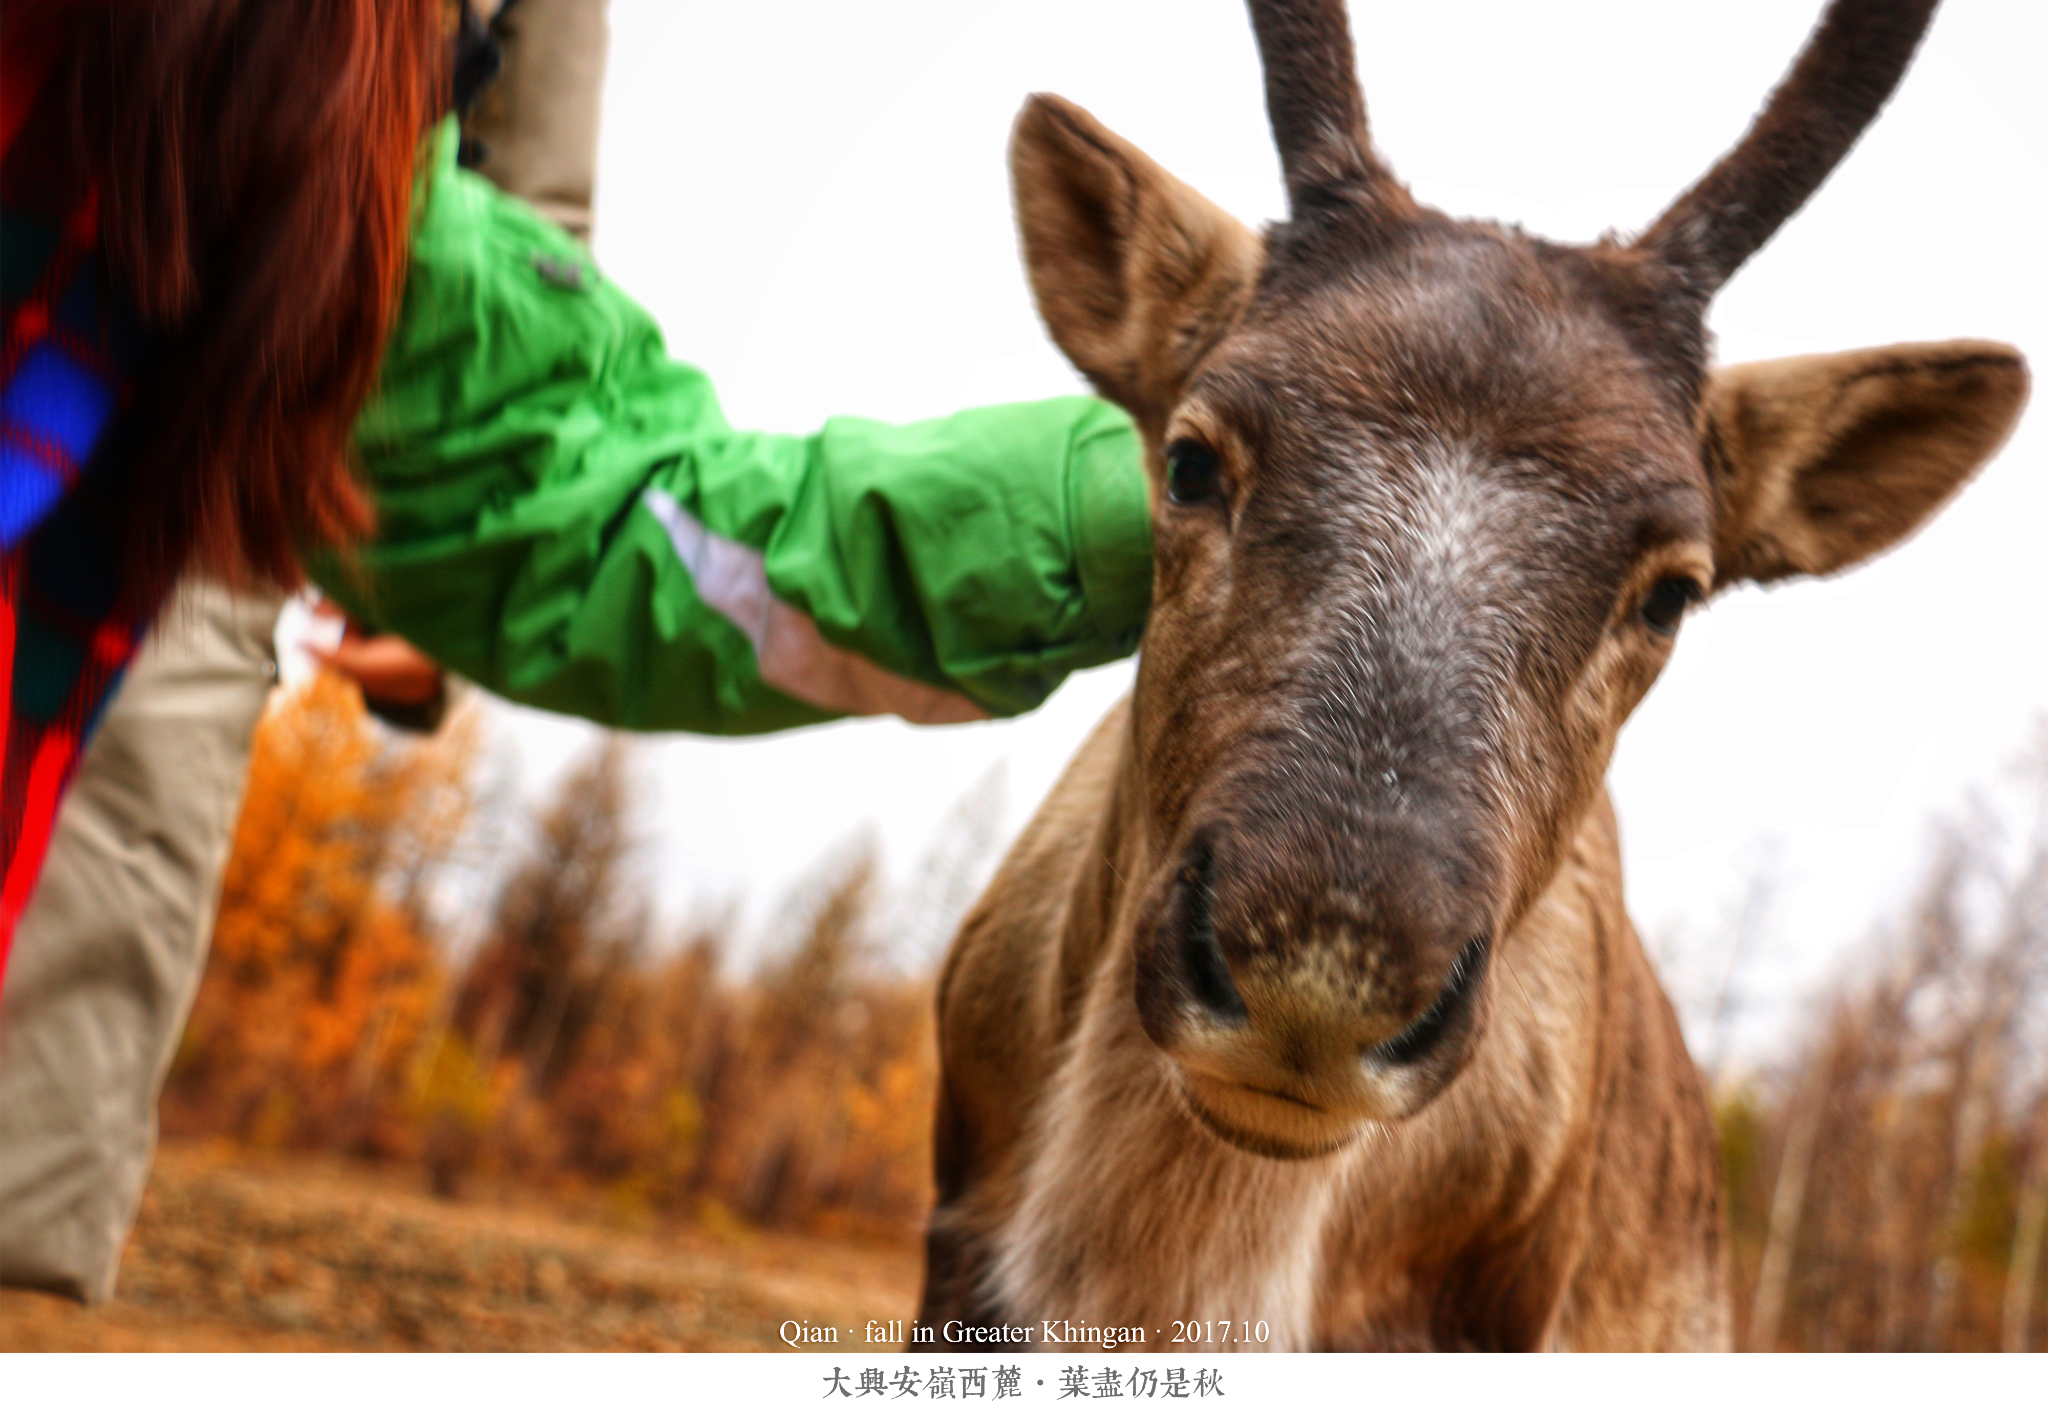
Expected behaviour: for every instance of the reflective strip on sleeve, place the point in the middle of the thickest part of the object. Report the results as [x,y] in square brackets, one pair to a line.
[793,655]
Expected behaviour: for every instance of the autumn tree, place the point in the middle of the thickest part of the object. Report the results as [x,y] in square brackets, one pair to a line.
[322,968]
[562,931]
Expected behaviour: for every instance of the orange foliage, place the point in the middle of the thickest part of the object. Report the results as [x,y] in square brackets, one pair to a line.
[321,977]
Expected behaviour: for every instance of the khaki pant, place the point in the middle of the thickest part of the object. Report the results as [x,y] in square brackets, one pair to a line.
[108,955]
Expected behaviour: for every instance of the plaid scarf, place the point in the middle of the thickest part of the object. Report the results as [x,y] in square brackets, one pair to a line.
[65,637]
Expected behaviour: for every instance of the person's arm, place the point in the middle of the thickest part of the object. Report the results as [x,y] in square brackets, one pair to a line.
[566,518]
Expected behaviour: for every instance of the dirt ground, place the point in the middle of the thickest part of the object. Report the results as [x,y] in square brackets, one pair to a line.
[238,1252]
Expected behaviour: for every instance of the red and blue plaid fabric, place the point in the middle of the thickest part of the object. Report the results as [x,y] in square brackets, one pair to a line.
[65,633]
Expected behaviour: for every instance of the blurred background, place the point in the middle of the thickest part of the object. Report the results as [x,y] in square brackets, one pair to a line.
[681,987]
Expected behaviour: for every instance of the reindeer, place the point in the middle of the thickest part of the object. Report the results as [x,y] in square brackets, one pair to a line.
[1308,1000]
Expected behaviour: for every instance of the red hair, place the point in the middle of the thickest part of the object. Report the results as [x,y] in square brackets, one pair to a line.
[256,162]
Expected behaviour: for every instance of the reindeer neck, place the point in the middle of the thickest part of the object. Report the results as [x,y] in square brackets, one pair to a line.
[1130,1214]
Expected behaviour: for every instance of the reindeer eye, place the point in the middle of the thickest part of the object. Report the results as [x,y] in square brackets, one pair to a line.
[1193,473]
[1665,607]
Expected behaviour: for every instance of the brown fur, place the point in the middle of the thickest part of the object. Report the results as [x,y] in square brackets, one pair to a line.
[1309,996]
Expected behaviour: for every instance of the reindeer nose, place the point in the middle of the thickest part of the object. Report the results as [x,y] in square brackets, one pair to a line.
[1304,982]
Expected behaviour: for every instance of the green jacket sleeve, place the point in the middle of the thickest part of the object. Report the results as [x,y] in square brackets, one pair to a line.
[566,517]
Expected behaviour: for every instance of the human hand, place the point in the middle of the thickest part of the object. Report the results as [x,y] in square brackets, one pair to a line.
[387,668]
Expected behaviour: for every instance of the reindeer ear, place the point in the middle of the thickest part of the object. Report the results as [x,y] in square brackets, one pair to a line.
[1137,275]
[1822,461]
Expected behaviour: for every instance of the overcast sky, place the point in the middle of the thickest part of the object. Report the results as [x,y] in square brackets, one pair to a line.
[812,199]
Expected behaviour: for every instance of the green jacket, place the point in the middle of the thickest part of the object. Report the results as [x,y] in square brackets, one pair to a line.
[566,517]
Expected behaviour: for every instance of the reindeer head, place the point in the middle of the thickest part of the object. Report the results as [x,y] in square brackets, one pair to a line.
[1431,500]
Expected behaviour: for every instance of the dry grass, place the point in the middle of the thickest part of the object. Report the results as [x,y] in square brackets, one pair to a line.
[248,1251]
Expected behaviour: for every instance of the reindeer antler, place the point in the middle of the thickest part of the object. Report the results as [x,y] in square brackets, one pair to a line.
[1314,102]
[1849,67]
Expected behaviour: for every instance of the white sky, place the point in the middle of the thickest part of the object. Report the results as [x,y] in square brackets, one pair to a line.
[812,198]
